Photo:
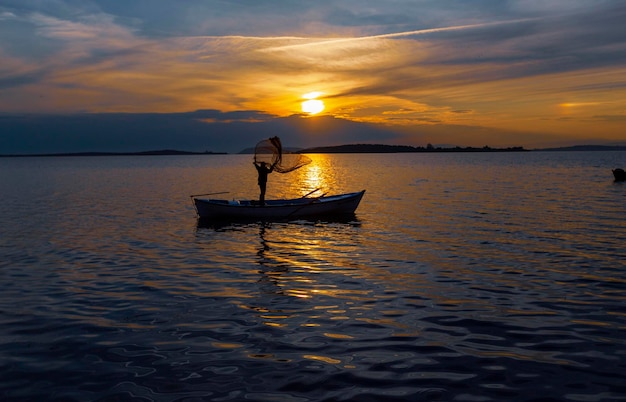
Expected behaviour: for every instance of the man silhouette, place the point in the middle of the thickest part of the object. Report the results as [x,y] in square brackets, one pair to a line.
[263,169]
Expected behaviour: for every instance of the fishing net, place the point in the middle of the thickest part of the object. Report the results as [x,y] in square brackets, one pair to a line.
[271,152]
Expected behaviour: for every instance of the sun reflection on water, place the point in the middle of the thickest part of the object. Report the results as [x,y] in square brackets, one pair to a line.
[318,175]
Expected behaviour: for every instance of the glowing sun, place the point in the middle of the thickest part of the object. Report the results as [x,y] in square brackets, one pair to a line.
[312,105]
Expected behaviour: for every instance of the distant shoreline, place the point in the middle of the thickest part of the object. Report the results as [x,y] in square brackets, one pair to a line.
[380,148]
[350,148]
[142,153]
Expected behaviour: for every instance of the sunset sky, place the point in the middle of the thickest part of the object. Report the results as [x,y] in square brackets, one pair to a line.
[79,75]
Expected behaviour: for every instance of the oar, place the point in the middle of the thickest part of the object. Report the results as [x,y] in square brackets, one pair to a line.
[311,192]
[200,195]
[310,202]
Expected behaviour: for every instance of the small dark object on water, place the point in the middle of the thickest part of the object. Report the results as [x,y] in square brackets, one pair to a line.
[620,174]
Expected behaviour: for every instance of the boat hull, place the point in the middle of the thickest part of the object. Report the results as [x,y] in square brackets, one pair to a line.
[278,209]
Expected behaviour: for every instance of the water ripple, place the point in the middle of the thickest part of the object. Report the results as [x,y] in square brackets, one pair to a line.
[472,287]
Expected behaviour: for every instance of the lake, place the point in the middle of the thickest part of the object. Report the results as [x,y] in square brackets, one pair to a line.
[461,277]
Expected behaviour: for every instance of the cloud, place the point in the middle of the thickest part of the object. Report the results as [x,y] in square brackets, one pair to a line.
[98,50]
[216,131]
[5,15]
[329,42]
[417,63]
[195,131]
[620,118]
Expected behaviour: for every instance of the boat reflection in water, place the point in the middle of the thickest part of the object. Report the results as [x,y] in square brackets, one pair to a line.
[280,271]
[302,268]
[227,223]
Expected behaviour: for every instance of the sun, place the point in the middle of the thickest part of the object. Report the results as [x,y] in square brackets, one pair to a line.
[312,105]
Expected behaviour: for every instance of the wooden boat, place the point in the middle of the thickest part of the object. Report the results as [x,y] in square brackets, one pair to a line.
[278,209]
[619,174]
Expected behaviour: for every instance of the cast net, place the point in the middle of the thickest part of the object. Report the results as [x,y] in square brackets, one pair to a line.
[271,152]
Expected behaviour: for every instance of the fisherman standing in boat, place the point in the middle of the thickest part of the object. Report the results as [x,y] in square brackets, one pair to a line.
[263,169]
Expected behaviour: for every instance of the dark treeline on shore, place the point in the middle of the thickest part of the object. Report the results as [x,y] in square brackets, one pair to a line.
[339,149]
[381,148]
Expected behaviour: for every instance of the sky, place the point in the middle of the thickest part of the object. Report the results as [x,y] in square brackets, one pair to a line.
[133,75]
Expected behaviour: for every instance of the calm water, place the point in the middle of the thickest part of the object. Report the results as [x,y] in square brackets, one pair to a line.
[466,277]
